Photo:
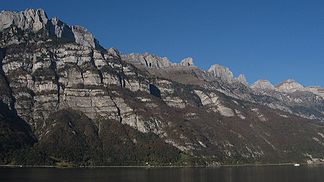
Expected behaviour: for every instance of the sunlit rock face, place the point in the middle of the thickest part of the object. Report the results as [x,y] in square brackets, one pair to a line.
[51,77]
[36,20]
[221,72]
[149,60]
[290,86]
[263,85]
[187,62]
[242,79]
[28,19]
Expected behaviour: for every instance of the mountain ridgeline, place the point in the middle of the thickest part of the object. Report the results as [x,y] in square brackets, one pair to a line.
[65,100]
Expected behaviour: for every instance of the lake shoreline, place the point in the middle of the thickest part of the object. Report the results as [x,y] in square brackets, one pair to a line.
[224,165]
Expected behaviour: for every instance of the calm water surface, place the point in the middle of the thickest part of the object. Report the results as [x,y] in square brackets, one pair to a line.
[222,174]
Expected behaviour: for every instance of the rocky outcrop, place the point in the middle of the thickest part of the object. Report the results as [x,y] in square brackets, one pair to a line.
[148,60]
[213,103]
[152,61]
[60,29]
[187,62]
[316,90]
[37,20]
[263,85]
[221,72]
[226,75]
[83,37]
[28,19]
[290,86]
[242,79]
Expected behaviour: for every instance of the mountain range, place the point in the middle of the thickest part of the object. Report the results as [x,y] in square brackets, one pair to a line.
[65,99]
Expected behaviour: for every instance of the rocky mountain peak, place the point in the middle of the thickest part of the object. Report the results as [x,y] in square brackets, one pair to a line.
[187,62]
[60,29]
[148,60]
[84,37]
[113,52]
[154,61]
[290,86]
[221,72]
[34,19]
[242,79]
[263,85]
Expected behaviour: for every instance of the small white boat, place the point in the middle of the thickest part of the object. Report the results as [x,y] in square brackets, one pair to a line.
[296,165]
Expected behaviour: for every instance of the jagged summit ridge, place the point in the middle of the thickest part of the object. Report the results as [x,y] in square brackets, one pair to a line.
[221,72]
[216,71]
[34,19]
[263,85]
[185,71]
[225,74]
[148,60]
[154,61]
[288,86]
[242,79]
[187,62]
[37,19]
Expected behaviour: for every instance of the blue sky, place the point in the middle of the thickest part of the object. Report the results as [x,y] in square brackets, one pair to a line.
[264,39]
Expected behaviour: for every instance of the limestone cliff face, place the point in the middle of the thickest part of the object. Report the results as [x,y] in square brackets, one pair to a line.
[36,20]
[28,19]
[221,72]
[58,79]
[49,78]
[225,74]
[149,60]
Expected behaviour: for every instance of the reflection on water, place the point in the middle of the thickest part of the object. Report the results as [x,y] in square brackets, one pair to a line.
[222,174]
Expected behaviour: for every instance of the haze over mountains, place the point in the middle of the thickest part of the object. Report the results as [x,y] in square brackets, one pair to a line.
[64,98]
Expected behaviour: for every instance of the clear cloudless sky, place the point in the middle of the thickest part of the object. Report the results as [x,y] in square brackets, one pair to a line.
[264,39]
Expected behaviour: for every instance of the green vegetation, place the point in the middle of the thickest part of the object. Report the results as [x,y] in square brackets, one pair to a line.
[75,141]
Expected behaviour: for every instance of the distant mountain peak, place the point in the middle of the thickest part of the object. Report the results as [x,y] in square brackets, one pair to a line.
[148,60]
[225,74]
[242,79]
[263,85]
[187,62]
[221,72]
[289,86]
[289,81]
[153,61]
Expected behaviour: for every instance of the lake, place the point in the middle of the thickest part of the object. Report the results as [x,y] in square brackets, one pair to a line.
[221,174]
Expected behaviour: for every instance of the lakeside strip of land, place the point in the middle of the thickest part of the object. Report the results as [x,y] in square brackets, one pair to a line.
[224,165]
